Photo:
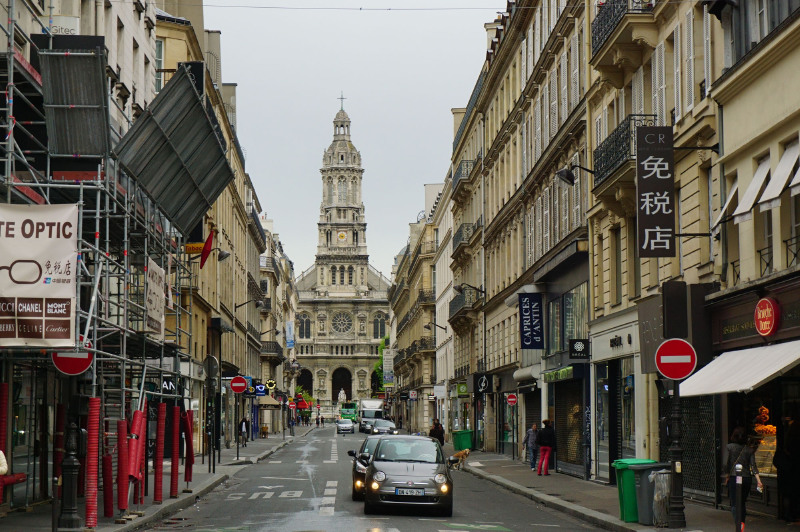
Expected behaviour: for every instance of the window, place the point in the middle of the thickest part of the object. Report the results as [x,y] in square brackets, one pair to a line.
[350,275]
[159,64]
[333,274]
[304,326]
[342,322]
[379,326]
[341,275]
[616,254]
[554,327]
[342,191]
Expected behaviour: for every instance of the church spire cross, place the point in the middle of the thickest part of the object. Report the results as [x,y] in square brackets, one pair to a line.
[342,98]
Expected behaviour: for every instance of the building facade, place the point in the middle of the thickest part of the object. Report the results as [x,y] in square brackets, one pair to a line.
[343,310]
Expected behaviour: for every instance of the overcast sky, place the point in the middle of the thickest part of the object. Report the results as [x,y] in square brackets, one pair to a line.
[401,72]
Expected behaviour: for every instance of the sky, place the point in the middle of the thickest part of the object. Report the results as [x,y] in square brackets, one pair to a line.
[402,65]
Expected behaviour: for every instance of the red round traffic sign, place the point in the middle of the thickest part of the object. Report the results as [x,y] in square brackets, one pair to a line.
[71,362]
[317,407]
[291,406]
[676,359]
[238,384]
[511,399]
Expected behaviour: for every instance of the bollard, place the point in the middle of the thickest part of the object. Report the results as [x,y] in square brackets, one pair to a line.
[69,517]
[737,514]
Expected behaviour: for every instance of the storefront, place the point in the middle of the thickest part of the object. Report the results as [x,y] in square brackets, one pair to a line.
[755,379]
[568,407]
[509,426]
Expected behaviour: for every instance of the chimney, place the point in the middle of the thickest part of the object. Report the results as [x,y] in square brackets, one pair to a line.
[458,117]
[213,51]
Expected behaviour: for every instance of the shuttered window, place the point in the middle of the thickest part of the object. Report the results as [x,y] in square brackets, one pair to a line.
[689,57]
[575,70]
[537,130]
[553,104]
[637,92]
[545,116]
[676,63]
[556,214]
[538,229]
[706,50]
[565,211]
[524,147]
[564,87]
[546,221]
[659,86]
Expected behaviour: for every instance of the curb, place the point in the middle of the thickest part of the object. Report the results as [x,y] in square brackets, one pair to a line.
[174,506]
[257,458]
[584,514]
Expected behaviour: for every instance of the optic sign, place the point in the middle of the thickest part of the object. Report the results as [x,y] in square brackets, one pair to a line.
[767,316]
[655,191]
[238,384]
[676,359]
[531,331]
[73,363]
[38,269]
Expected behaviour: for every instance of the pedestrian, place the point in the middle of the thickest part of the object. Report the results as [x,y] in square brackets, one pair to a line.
[317,421]
[530,442]
[437,431]
[244,429]
[323,421]
[546,440]
[741,452]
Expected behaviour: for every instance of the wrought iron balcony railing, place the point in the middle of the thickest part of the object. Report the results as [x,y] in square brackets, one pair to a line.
[792,250]
[271,348]
[609,17]
[427,296]
[735,272]
[462,172]
[765,260]
[463,235]
[465,299]
[619,146]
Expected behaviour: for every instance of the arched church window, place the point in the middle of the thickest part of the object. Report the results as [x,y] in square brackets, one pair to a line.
[330,192]
[355,237]
[341,275]
[333,274]
[304,326]
[379,326]
[342,191]
[350,275]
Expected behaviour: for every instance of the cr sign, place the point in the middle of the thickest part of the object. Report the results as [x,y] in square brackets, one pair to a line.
[676,359]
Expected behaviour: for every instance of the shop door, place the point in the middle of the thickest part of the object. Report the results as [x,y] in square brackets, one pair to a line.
[569,426]
[533,408]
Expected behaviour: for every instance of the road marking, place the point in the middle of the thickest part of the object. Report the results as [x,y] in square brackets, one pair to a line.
[235,496]
[330,492]
[326,510]
[269,487]
[274,461]
[266,494]
[301,462]
[330,461]
[328,500]
[332,483]
[291,494]
[282,478]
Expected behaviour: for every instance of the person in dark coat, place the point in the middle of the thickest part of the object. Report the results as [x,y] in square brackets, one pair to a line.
[546,440]
[437,431]
[530,442]
[244,430]
[741,452]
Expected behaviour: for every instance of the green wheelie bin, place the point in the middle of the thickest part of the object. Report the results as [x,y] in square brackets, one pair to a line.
[462,439]
[626,487]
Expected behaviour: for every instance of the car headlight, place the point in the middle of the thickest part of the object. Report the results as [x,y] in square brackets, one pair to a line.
[440,479]
[375,431]
[395,432]
[360,468]
[380,476]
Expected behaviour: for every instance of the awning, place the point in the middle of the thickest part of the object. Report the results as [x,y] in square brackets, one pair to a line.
[302,405]
[743,370]
[268,401]
[745,209]
[795,184]
[723,213]
[771,197]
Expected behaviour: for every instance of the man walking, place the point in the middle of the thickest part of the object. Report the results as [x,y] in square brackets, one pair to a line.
[530,442]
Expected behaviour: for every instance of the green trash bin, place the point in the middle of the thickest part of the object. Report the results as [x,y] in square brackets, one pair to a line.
[462,439]
[626,487]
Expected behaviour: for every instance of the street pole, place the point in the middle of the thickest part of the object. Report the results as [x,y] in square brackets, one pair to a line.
[738,498]
[70,465]
[236,416]
[677,518]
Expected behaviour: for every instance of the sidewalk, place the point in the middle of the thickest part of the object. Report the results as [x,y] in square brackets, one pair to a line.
[38,518]
[594,502]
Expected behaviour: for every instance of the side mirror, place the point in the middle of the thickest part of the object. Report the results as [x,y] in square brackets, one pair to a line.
[352,453]
[364,457]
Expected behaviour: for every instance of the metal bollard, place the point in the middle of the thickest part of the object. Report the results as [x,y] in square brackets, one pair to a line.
[738,498]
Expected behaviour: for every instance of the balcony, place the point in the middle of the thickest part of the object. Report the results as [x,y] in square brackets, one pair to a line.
[462,172]
[426,296]
[792,250]
[619,147]
[461,307]
[765,260]
[462,236]
[630,17]
[272,351]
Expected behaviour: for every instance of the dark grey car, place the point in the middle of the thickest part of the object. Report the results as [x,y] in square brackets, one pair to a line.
[408,471]
[360,461]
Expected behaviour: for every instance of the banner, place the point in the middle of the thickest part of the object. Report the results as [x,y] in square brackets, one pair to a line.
[655,191]
[531,325]
[388,368]
[38,271]
[154,303]
[289,334]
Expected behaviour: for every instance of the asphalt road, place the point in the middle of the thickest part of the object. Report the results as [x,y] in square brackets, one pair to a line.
[305,487]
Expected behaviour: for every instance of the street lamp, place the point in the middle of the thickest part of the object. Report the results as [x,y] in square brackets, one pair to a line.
[259,304]
[293,371]
[567,176]
[269,331]
[430,325]
[459,288]
[222,255]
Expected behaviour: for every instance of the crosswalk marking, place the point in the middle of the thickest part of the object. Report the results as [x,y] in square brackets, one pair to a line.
[326,510]
[332,483]
[330,492]
[328,500]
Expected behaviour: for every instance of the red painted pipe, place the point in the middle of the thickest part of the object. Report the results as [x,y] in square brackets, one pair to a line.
[108,486]
[176,434]
[3,416]
[122,464]
[187,418]
[142,458]
[158,466]
[92,459]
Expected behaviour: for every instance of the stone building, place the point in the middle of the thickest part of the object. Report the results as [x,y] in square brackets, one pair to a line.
[343,309]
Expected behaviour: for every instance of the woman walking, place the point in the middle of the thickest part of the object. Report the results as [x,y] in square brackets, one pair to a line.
[741,452]
[546,440]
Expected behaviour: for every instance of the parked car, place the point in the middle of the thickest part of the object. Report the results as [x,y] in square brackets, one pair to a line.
[384,426]
[344,426]
[360,461]
[408,471]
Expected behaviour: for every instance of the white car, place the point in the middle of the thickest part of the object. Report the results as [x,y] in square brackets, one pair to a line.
[344,426]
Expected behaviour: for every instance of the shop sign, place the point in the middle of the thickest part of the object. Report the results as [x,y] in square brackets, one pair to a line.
[388,368]
[481,383]
[461,389]
[531,331]
[271,384]
[579,348]
[562,374]
[767,316]
[403,396]
[412,394]
[655,191]
[431,397]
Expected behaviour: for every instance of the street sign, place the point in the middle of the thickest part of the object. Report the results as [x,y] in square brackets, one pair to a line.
[318,407]
[238,384]
[292,406]
[511,399]
[412,394]
[676,359]
[261,390]
[73,363]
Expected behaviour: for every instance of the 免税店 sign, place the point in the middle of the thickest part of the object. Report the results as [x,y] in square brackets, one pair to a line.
[655,191]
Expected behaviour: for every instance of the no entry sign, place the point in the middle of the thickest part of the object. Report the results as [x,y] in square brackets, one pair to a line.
[511,399]
[71,362]
[238,384]
[676,359]
[292,406]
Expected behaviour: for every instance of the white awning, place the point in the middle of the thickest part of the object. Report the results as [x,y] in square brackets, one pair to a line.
[726,208]
[771,197]
[795,184]
[744,211]
[268,401]
[743,370]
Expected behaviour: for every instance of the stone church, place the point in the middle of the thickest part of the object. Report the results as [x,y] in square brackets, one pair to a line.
[343,307]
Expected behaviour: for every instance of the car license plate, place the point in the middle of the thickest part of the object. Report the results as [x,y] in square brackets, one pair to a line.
[410,491]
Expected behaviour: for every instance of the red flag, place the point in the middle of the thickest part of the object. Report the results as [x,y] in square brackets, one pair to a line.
[207,249]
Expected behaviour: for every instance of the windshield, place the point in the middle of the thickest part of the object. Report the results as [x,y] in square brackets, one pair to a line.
[402,450]
[343,422]
[369,445]
[383,423]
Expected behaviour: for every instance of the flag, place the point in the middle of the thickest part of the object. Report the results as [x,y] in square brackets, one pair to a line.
[207,249]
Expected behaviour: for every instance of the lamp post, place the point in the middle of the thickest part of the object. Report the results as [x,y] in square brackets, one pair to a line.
[293,371]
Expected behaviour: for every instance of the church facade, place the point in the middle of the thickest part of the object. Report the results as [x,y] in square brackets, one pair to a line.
[343,308]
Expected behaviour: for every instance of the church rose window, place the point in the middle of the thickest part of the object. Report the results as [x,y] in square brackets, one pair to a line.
[342,322]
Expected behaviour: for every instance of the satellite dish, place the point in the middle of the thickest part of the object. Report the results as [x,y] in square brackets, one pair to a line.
[421,215]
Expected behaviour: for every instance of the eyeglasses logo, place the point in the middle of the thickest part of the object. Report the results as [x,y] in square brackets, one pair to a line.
[23,271]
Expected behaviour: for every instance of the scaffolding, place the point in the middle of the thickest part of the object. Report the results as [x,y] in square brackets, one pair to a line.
[59,147]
